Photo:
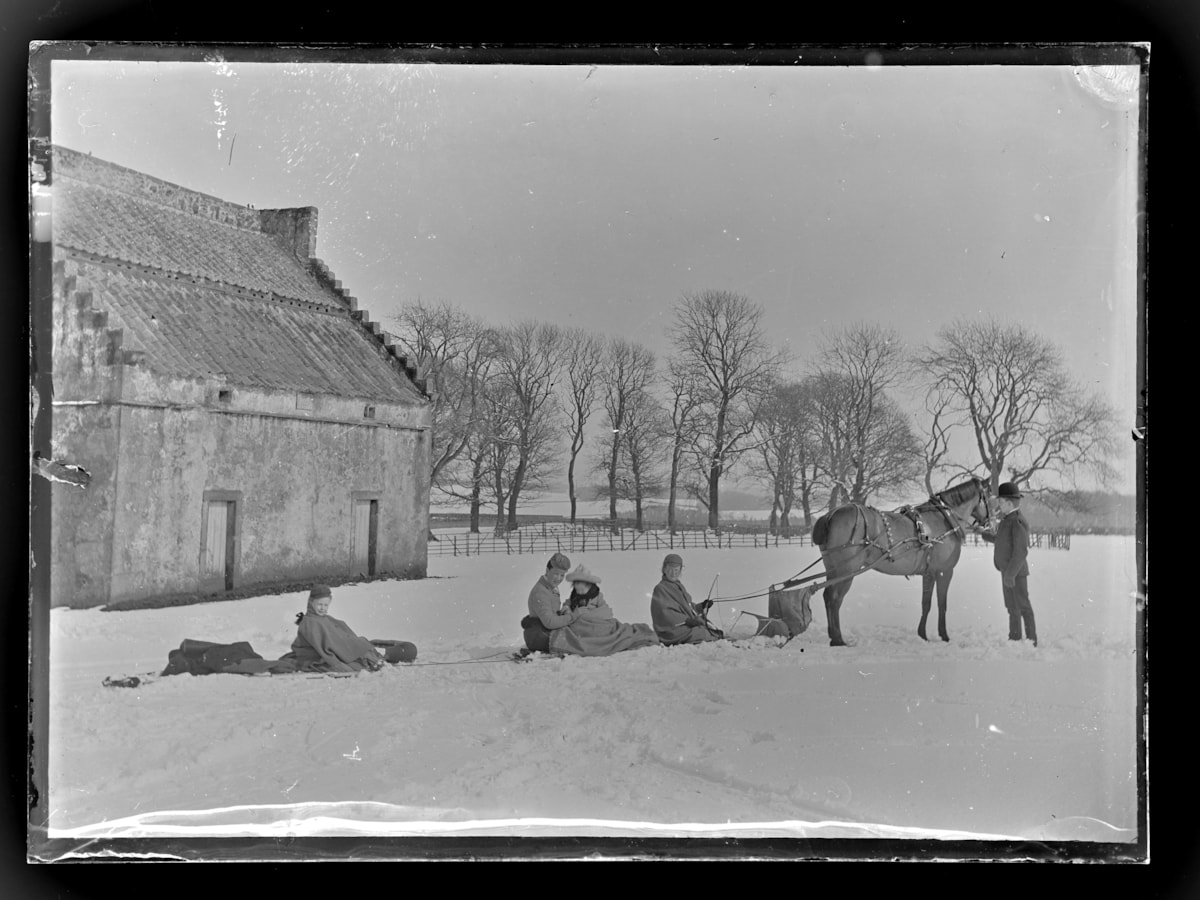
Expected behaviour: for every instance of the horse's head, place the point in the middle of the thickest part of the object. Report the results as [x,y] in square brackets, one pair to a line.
[981,512]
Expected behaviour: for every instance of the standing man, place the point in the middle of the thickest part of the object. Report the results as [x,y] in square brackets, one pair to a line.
[1009,556]
[676,619]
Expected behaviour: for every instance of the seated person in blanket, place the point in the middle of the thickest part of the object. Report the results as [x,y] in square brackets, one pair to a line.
[326,644]
[676,619]
[597,632]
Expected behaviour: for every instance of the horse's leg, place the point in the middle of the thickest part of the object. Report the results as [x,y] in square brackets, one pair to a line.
[833,603]
[926,602]
[943,591]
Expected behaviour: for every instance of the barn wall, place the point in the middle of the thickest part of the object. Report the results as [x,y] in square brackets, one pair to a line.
[295,481]
[154,445]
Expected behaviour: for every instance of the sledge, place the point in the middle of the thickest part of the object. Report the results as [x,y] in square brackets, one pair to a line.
[130,681]
[525,655]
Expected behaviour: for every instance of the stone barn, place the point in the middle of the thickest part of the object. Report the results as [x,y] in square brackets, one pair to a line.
[241,420]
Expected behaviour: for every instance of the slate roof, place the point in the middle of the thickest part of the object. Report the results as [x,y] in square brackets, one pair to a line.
[209,294]
[192,330]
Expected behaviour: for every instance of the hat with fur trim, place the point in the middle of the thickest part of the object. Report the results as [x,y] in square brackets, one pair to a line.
[582,574]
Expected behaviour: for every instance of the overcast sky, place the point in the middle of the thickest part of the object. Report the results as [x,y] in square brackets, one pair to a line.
[596,196]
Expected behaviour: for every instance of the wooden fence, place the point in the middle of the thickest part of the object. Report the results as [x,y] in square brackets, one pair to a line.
[1050,540]
[584,539]
[549,539]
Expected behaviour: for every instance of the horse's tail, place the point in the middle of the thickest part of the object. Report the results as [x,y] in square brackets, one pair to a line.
[820,532]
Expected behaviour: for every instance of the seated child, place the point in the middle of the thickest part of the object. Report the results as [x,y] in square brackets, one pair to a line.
[326,644]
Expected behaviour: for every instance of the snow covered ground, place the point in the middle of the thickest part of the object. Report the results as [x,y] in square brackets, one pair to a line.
[894,737]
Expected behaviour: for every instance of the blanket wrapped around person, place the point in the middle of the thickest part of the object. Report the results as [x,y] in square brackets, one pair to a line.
[597,632]
[586,626]
[326,644]
[322,644]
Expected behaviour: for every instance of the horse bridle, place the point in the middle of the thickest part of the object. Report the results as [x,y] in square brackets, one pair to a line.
[987,504]
[948,512]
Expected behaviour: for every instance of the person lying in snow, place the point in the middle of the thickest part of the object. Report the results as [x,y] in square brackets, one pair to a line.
[326,644]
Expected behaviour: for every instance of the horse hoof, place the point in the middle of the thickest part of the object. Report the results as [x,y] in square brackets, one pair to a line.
[946,638]
[837,643]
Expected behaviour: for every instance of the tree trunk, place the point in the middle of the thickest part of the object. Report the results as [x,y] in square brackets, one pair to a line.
[476,492]
[673,490]
[498,528]
[714,487]
[475,504]
[612,485]
[515,494]
[714,471]
[571,486]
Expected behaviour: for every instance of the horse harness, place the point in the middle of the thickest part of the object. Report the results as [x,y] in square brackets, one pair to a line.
[922,537]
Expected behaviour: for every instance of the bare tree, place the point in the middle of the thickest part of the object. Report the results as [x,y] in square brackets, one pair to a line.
[485,463]
[857,460]
[784,429]
[679,427]
[866,442]
[585,354]
[718,338]
[628,372]
[643,425]
[453,353]
[634,473]
[528,366]
[1026,415]
[939,429]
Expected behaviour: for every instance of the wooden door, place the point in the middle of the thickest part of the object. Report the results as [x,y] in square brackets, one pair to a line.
[366,523]
[219,542]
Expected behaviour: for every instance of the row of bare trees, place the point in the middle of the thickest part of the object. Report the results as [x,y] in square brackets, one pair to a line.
[511,401]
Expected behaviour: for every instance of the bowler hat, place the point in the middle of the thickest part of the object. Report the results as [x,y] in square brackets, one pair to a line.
[672,559]
[318,591]
[1009,490]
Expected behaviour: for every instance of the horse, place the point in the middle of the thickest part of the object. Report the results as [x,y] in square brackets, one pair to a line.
[924,540]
